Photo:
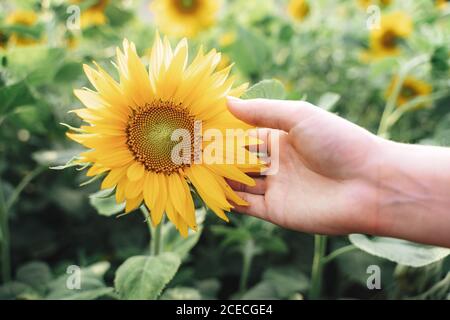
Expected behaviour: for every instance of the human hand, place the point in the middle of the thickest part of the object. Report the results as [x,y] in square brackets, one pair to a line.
[337,178]
[323,183]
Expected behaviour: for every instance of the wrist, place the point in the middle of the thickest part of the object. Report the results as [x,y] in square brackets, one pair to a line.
[411,192]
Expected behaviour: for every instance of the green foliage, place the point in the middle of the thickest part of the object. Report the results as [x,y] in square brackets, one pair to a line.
[53,223]
[250,52]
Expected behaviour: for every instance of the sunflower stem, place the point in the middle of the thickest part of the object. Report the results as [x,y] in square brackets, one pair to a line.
[336,253]
[5,207]
[320,245]
[248,252]
[383,129]
[246,263]
[4,237]
[157,239]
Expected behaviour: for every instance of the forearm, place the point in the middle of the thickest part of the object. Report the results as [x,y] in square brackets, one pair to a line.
[413,193]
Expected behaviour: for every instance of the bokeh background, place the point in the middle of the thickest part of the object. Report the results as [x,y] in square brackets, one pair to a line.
[355,58]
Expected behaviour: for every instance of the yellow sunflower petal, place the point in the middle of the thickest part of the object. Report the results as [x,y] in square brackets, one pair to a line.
[136,171]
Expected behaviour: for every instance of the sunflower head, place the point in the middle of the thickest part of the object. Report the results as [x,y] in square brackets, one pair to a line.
[298,9]
[385,41]
[184,17]
[411,88]
[94,15]
[366,3]
[21,18]
[138,126]
[442,4]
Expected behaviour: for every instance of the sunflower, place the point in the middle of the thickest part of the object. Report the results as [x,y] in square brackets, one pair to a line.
[227,39]
[94,15]
[21,18]
[298,9]
[411,88]
[367,3]
[184,17]
[131,123]
[385,41]
[442,4]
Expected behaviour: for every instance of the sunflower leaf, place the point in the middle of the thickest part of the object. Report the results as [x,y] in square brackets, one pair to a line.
[400,251]
[105,203]
[15,95]
[144,277]
[328,100]
[268,89]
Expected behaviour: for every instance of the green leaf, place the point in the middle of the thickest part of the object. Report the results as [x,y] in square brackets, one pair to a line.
[286,281]
[56,158]
[15,289]
[91,294]
[250,52]
[328,100]
[400,251]
[91,286]
[264,290]
[439,291]
[182,246]
[181,293]
[35,274]
[38,64]
[33,32]
[268,89]
[15,95]
[208,288]
[69,72]
[105,203]
[144,277]
[278,283]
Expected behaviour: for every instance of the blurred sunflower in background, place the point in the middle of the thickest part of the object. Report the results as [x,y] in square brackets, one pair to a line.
[385,41]
[298,9]
[131,124]
[24,18]
[184,17]
[367,3]
[411,89]
[94,15]
[442,4]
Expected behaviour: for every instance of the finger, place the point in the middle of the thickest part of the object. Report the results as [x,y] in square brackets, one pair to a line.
[258,188]
[275,114]
[264,135]
[256,205]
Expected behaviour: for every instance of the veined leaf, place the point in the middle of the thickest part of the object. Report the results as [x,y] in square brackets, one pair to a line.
[144,277]
[400,251]
[268,89]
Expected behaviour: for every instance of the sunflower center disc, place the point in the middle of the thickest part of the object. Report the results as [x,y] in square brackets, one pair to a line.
[408,91]
[151,138]
[186,6]
[389,39]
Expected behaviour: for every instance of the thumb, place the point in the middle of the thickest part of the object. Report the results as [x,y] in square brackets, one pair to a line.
[275,114]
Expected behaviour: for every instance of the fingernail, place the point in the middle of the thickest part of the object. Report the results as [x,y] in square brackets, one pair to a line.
[233,99]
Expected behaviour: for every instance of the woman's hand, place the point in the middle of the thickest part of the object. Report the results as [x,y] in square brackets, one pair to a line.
[336,178]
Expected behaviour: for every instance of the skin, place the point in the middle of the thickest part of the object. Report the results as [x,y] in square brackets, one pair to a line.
[337,178]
